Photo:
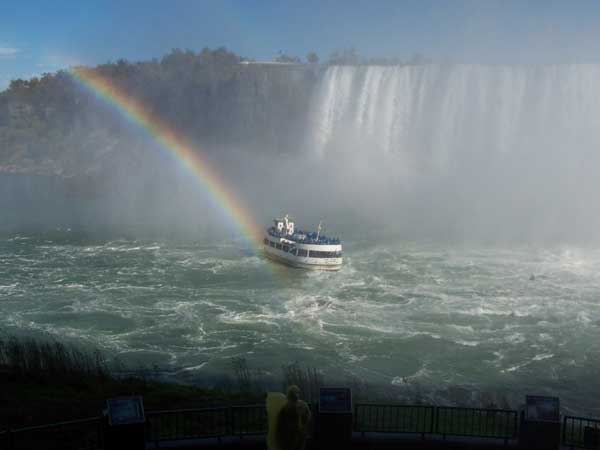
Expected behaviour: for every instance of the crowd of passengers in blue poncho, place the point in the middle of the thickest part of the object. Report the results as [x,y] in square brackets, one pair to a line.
[309,238]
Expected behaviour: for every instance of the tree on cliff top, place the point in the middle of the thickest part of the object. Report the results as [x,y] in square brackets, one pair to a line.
[312,58]
[51,124]
[285,58]
[344,57]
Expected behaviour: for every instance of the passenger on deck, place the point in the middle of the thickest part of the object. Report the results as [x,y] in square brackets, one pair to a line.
[293,421]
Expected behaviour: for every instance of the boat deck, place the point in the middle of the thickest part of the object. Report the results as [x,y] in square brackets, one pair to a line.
[303,237]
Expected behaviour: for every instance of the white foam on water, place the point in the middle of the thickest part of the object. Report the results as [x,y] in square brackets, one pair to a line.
[248,318]
[122,249]
[514,338]
[462,328]
[8,287]
[193,368]
[19,238]
[584,318]
[543,356]
[422,374]
[73,286]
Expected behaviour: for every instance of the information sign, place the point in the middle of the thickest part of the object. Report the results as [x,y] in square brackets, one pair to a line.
[542,409]
[335,400]
[125,410]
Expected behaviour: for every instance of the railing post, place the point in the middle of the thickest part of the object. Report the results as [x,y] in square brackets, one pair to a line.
[362,434]
[99,433]
[11,440]
[431,419]
[564,431]
[505,429]
[156,431]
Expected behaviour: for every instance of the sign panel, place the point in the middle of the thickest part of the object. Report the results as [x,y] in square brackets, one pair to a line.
[542,409]
[335,400]
[125,410]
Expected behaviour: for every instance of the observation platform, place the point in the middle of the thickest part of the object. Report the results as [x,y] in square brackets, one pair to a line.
[374,426]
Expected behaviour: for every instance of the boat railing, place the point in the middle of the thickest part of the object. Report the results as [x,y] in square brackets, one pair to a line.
[308,238]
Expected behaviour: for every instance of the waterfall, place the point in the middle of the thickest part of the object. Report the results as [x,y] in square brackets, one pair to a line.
[437,116]
[507,150]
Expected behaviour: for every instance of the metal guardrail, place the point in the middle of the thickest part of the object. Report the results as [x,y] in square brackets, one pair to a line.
[85,434]
[219,422]
[4,439]
[183,424]
[380,418]
[454,421]
[581,432]
[476,422]
[248,420]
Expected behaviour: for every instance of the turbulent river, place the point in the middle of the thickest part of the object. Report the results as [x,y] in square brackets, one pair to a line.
[447,322]
[447,152]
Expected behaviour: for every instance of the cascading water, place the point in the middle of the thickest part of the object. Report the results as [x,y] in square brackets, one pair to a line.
[442,114]
[477,145]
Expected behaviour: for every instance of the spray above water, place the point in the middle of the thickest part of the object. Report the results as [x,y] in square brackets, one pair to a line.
[465,151]
[176,144]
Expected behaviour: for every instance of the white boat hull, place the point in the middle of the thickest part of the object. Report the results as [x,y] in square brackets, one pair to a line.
[306,250]
[303,262]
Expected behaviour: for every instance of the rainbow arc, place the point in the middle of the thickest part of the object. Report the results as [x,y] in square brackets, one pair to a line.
[176,144]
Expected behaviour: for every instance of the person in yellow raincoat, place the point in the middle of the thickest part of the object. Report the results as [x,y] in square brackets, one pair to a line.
[288,420]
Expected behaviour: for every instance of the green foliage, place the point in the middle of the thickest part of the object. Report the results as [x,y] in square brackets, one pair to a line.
[54,125]
[45,381]
[308,379]
[312,58]
[285,58]
[242,374]
[48,360]
[346,56]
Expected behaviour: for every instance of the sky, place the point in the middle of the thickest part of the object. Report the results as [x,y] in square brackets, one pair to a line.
[43,36]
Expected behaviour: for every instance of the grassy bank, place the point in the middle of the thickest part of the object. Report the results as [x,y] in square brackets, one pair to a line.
[47,381]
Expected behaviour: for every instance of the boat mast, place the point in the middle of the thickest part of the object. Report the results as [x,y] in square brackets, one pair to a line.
[319,230]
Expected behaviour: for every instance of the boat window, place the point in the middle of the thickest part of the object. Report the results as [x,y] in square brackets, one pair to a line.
[318,254]
[286,248]
[293,250]
[272,244]
[278,246]
[302,252]
[265,241]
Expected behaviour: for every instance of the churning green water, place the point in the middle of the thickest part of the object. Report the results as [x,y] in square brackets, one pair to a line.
[446,322]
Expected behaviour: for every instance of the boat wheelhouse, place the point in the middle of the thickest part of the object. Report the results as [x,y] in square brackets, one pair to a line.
[297,248]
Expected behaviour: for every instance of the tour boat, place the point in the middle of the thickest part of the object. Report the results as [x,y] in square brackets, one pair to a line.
[306,250]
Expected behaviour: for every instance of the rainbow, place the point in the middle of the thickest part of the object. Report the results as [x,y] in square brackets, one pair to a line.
[174,143]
